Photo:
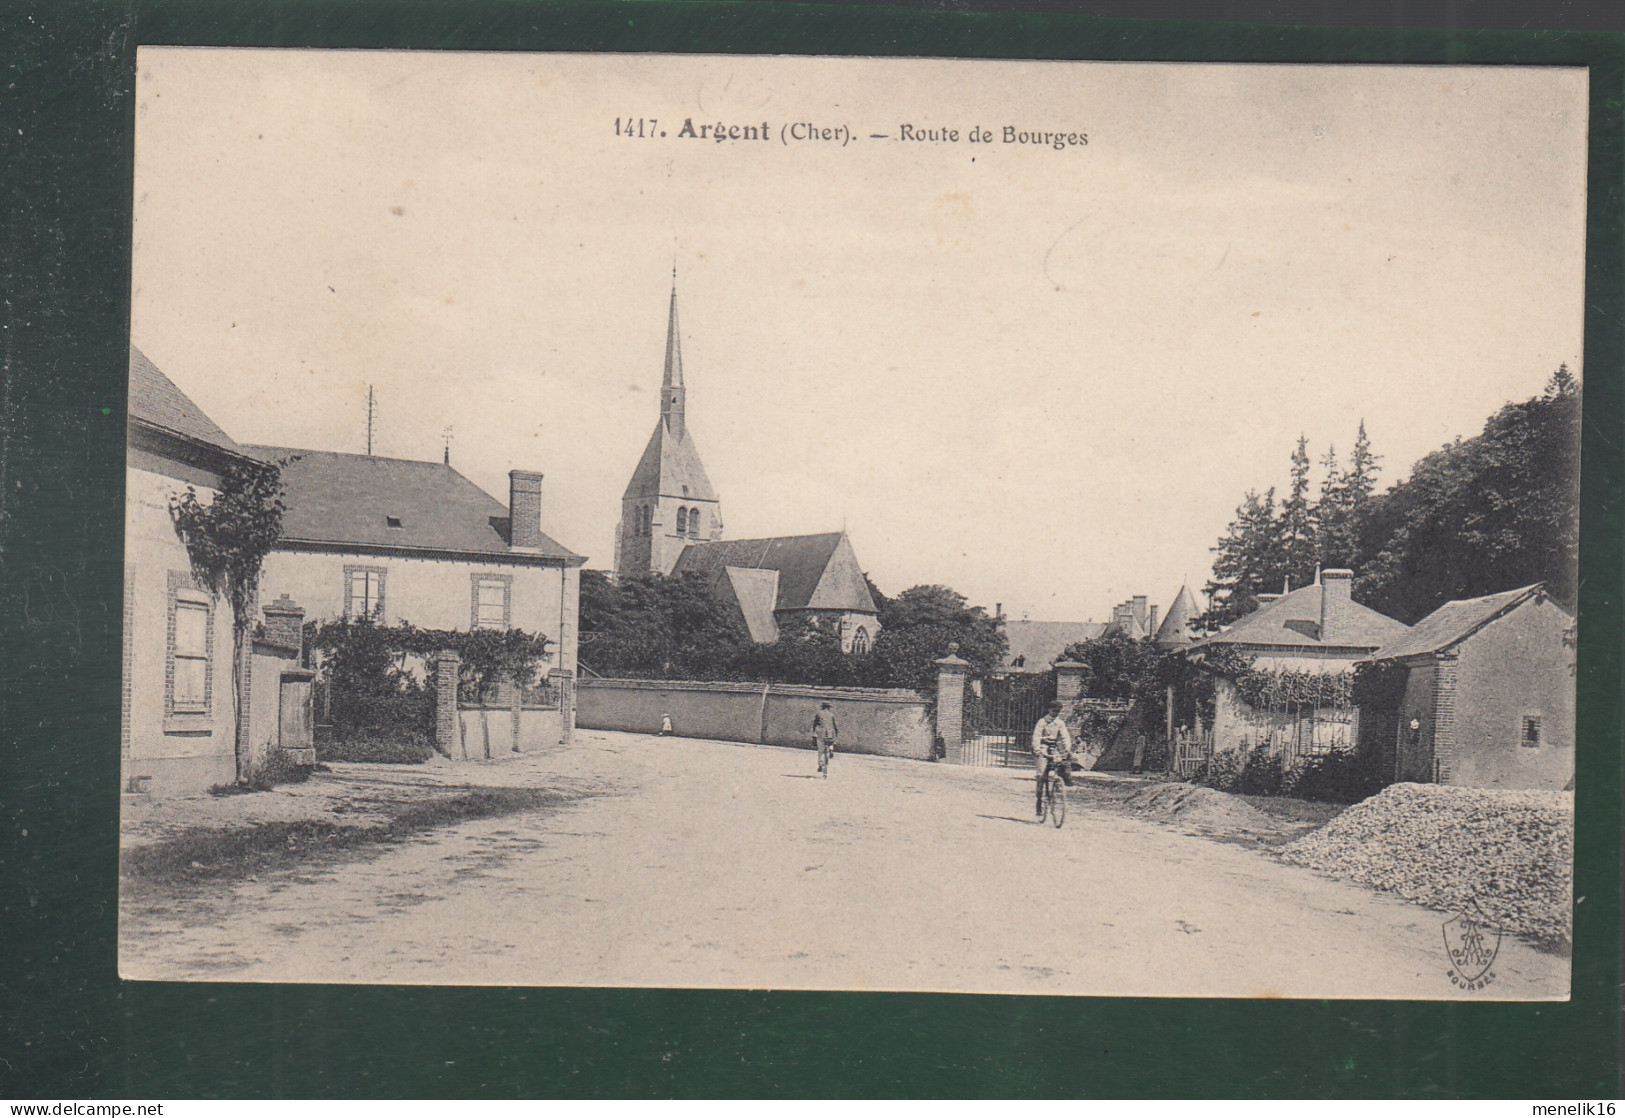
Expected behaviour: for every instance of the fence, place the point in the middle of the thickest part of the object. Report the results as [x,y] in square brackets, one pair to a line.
[882,721]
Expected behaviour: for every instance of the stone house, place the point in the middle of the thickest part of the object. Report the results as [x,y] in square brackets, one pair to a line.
[1489,693]
[401,540]
[178,725]
[1317,628]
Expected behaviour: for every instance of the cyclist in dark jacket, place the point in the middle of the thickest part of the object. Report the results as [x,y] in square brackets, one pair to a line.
[824,733]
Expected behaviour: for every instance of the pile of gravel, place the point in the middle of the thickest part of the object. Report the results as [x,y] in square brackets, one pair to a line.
[1196,806]
[1511,851]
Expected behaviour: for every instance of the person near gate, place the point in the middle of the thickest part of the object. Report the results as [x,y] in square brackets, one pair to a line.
[824,732]
[1052,749]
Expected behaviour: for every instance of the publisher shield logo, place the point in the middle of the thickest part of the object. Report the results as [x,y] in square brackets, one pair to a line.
[1471,940]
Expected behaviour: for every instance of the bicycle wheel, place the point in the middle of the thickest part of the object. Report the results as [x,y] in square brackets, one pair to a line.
[1057,801]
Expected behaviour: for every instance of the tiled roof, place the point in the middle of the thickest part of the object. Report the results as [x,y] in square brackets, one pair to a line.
[355,499]
[757,593]
[156,402]
[1038,644]
[1293,621]
[1176,628]
[1453,623]
[806,566]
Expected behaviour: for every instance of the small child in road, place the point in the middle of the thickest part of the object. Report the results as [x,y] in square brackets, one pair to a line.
[665,725]
[824,732]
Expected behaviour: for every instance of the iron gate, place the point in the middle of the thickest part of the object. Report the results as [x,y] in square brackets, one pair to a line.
[1000,713]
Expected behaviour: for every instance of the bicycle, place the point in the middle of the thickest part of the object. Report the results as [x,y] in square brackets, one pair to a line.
[1055,798]
[1055,791]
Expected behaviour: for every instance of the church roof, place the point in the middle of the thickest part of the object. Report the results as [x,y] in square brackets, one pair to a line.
[1453,623]
[1292,621]
[1176,626]
[156,402]
[352,499]
[757,592]
[814,572]
[668,464]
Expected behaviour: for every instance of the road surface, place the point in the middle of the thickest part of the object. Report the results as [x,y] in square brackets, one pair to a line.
[703,864]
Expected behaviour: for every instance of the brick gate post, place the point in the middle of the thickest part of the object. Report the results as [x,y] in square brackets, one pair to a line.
[447,739]
[1068,680]
[951,673]
[564,684]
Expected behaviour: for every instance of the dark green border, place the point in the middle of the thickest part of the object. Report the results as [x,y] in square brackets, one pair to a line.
[72,1030]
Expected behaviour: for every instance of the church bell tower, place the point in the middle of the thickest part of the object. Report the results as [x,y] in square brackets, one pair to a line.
[669,503]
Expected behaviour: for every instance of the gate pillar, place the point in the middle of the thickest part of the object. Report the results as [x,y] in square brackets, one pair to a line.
[447,736]
[951,673]
[1068,679]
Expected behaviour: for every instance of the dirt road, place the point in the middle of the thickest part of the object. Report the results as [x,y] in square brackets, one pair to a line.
[700,864]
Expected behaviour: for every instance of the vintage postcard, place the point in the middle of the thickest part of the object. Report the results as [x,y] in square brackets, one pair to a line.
[853,523]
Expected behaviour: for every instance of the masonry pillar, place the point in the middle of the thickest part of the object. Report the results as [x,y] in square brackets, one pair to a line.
[1069,680]
[285,625]
[447,738]
[564,685]
[951,673]
[1444,717]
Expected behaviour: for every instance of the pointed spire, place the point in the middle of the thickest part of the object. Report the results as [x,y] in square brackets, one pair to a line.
[672,392]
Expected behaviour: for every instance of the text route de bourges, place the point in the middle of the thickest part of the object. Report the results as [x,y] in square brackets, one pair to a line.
[721,132]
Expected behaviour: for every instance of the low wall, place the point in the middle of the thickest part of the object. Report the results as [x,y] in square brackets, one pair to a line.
[884,722]
[489,732]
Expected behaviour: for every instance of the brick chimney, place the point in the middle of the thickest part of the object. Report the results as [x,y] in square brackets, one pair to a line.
[1334,605]
[524,509]
[1151,626]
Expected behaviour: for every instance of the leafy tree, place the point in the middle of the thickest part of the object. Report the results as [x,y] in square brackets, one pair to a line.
[1248,556]
[808,651]
[1296,530]
[1490,513]
[916,628]
[1118,666]
[227,540]
[658,627]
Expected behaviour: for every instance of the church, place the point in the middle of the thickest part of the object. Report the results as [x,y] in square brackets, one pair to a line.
[671,523]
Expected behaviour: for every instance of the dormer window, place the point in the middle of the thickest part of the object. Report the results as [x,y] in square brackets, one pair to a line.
[393,521]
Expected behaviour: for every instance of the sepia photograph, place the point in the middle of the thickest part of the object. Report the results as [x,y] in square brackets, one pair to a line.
[815,523]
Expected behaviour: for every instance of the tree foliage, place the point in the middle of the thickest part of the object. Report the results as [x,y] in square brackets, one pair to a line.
[655,627]
[227,540]
[1479,515]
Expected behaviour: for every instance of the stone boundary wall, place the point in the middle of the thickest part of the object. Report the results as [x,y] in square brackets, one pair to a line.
[884,722]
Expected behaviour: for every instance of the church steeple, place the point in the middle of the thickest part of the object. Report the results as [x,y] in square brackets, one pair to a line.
[672,392]
[669,503]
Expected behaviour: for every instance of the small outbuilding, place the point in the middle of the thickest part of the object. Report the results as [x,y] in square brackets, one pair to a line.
[1488,693]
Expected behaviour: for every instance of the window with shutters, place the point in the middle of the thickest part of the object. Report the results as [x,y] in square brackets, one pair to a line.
[364,593]
[492,601]
[189,672]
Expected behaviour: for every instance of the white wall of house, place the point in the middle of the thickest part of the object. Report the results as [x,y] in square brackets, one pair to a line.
[433,593]
[171,746]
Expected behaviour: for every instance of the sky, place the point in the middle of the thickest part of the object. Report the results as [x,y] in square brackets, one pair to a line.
[1044,377]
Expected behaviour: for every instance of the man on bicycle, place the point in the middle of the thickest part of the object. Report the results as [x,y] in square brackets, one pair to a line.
[824,732]
[1052,750]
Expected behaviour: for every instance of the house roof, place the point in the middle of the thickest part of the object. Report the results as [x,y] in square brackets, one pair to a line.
[1038,644]
[350,500]
[815,572]
[1293,621]
[1453,623]
[1176,626]
[156,402]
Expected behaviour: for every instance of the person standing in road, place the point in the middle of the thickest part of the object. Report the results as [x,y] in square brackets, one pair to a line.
[824,732]
[1052,748]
